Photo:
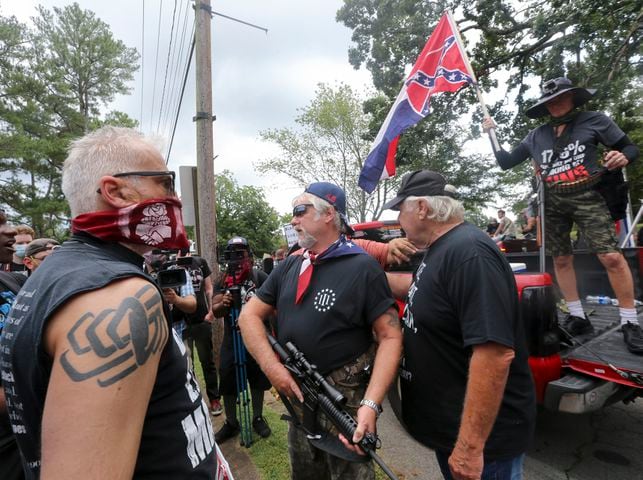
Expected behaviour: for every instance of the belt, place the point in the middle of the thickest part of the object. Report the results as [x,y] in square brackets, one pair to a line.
[581,185]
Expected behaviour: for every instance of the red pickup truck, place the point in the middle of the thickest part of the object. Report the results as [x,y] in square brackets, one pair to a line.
[575,375]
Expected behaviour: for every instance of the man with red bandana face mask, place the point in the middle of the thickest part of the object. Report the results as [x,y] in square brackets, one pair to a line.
[241,274]
[97,383]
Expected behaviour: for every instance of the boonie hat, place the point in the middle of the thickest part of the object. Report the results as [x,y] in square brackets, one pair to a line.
[421,183]
[333,195]
[40,245]
[552,89]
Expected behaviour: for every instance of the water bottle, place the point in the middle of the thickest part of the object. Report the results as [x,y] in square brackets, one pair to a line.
[599,299]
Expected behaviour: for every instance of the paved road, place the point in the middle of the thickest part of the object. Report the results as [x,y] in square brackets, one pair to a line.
[607,445]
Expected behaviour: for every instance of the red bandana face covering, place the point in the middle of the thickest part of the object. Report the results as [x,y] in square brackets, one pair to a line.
[156,222]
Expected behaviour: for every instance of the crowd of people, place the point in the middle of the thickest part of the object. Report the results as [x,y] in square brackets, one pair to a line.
[97,333]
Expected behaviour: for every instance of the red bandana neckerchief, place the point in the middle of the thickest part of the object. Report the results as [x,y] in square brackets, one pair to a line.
[156,222]
[339,248]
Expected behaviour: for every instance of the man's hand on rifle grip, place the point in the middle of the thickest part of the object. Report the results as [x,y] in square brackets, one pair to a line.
[283,381]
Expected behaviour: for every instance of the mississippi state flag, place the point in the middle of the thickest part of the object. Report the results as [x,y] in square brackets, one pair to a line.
[441,67]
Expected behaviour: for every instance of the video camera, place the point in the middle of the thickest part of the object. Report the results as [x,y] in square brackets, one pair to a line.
[170,273]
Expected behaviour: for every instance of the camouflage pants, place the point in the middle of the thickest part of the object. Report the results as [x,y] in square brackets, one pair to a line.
[310,463]
[588,210]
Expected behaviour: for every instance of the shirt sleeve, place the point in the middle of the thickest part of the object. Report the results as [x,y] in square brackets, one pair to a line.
[377,250]
[269,290]
[484,295]
[379,297]
[205,268]
[608,132]
[187,289]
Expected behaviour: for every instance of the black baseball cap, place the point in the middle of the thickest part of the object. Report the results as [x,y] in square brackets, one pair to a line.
[421,183]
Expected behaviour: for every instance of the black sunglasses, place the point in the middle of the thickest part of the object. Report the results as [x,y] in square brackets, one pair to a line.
[154,173]
[300,210]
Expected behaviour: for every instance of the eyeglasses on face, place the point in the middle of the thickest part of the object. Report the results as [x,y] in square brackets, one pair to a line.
[169,183]
[300,209]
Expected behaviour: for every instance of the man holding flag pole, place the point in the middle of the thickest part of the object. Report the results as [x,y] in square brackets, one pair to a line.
[467,391]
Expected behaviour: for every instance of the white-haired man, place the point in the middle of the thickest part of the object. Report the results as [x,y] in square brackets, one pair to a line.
[466,387]
[97,384]
[332,300]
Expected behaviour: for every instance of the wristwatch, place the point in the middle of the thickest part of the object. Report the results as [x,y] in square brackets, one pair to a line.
[371,404]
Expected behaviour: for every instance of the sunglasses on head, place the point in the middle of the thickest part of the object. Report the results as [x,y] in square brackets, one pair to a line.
[301,209]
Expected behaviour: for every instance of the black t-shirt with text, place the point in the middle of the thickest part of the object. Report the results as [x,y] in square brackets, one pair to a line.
[332,325]
[464,294]
[579,157]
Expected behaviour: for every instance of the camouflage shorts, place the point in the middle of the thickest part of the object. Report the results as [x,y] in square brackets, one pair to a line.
[588,210]
[309,463]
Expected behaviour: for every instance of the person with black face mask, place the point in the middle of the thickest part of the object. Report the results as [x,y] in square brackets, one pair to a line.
[97,383]
[582,186]
[242,275]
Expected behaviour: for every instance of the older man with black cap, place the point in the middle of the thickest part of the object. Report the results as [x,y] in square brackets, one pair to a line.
[334,304]
[466,387]
[582,188]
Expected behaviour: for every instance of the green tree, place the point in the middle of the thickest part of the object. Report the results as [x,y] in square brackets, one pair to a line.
[53,79]
[244,211]
[329,145]
[595,43]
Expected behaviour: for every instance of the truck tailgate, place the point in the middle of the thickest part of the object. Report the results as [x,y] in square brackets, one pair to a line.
[607,343]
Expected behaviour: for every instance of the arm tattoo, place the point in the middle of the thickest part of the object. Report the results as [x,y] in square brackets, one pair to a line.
[116,341]
[393,319]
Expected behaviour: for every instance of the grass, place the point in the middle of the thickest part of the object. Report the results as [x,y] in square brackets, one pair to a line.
[270,455]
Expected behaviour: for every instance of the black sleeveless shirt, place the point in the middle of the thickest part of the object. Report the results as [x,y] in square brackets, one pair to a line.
[177,439]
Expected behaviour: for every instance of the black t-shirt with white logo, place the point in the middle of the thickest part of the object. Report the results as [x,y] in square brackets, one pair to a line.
[332,325]
[579,157]
[177,438]
[464,294]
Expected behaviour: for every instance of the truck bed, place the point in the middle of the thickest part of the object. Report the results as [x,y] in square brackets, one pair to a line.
[605,342]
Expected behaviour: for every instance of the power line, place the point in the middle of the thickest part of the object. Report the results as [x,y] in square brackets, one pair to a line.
[158,39]
[167,66]
[175,74]
[142,67]
[184,67]
[178,110]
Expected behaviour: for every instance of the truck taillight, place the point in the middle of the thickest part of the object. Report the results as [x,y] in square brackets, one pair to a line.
[540,318]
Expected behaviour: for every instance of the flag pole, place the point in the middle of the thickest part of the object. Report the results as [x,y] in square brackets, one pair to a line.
[492,131]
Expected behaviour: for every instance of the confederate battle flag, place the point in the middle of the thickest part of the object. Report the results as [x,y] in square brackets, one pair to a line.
[441,67]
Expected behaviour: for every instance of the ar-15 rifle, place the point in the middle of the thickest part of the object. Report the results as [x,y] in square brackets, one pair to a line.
[318,392]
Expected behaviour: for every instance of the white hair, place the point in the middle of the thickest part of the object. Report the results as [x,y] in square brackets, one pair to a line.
[320,205]
[443,209]
[106,151]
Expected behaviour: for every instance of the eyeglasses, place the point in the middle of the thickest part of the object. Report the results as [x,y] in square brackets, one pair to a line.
[301,209]
[169,184]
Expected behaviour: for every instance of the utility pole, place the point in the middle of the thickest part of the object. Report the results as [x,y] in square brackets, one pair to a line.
[207,232]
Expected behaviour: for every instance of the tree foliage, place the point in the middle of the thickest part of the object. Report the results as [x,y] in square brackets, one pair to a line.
[54,77]
[244,211]
[329,144]
[513,46]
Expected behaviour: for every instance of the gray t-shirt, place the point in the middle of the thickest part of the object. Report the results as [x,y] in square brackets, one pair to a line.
[579,158]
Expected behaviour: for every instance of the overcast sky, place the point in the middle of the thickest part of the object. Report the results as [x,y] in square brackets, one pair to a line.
[259,79]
